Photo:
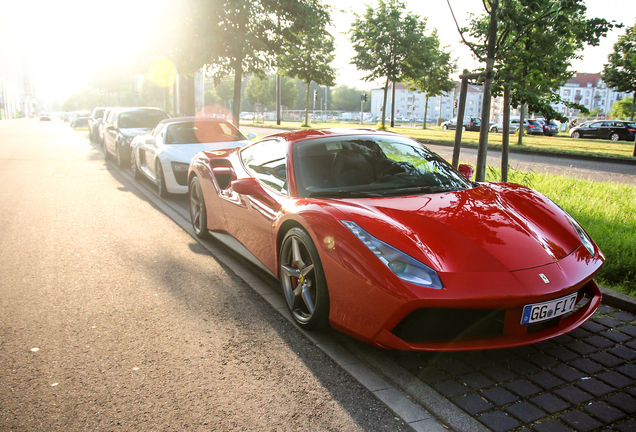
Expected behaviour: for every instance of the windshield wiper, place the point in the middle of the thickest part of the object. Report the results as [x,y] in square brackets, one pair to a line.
[426,189]
[343,194]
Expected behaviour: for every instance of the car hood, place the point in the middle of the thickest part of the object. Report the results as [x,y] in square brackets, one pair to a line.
[490,228]
[185,152]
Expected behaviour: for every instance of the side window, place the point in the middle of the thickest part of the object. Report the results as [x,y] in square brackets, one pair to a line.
[267,162]
[158,130]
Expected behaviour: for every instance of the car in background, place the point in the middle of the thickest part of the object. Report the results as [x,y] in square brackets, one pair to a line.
[123,125]
[470,124]
[79,119]
[550,128]
[45,117]
[94,120]
[101,127]
[374,234]
[164,155]
[614,130]
[533,127]
[513,127]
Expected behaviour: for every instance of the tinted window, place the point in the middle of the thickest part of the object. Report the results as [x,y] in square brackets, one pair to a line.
[141,118]
[267,162]
[371,166]
[202,131]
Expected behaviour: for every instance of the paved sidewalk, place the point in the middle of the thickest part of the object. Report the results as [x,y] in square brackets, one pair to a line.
[582,381]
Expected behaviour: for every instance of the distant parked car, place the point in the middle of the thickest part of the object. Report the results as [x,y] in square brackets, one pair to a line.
[45,117]
[470,123]
[550,128]
[125,124]
[79,119]
[94,120]
[533,127]
[614,130]
[498,127]
[164,155]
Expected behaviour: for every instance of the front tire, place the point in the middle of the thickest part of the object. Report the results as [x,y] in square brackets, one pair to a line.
[198,212]
[576,135]
[303,280]
[444,127]
[493,129]
[118,156]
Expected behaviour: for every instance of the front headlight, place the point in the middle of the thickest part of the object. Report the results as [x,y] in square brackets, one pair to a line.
[179,166]
[585,239]
[402,265]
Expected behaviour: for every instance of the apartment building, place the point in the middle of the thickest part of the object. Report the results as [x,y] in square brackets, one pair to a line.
[589,90]
[16,83]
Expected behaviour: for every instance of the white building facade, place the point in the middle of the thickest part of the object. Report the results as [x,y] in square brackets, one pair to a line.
[588,89]
[16,79]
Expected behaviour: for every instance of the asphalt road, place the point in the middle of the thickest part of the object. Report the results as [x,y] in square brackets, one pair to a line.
[112,317]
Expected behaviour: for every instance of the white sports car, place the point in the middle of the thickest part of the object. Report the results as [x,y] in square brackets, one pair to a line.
[165,154]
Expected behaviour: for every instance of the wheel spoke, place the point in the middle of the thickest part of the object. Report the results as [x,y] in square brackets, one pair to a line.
[296,256]
[307,299]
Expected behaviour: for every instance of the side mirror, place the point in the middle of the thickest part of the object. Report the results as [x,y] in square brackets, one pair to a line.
[467,171]
[250,187]
[251,135]
[151,141]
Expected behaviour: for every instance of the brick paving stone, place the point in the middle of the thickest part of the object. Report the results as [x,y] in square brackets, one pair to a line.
[500,356]
[450,388]
[454,367]
[523,351]
[581,347]
[607,359]
[594,386]
[476,380]
[599,341]
[573,394]
[550,403]
[593,326]
[431,374]
[587,366]
[632,391]
[523,387]
[562,353]
[499,421]
[608,322]
[410,362]
[604,412]
[631,345]
[628,330]
[522,367]
[525,412]
[580,421]
[628,426]
[579,333]
[604,309]
[624,316]
[623,352]
[628,370]
[616,336]
[546,380]
[623,401]
[499,396]
[551,426]
[473,404]
[568,373]
[499,374]
[544,345]
[478,361]
[542,360]
[615,379]
[563,339]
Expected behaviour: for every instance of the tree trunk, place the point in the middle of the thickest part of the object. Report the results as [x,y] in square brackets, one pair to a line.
[238,78]
[505,141]
[393,104]
[307,106]
[522,119]
[425,111]
[386,89]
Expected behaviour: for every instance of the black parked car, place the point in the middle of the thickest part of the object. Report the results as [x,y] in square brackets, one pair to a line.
[123,125]
[97,116]
[470,123]
[550,128]
[614,130]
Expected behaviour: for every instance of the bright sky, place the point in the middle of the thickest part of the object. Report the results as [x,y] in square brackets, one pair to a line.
[64,38]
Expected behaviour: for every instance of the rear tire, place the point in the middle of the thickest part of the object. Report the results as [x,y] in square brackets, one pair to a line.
[133,165]
[444,127]
[161,181]
[615,137]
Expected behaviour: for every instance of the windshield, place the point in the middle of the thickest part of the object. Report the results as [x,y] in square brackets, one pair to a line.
[357,166]
[202,131]
[141,118]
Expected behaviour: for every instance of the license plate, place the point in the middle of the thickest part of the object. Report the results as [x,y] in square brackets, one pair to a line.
[546,310]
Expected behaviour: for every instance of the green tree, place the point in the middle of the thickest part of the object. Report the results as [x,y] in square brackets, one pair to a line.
[347,98]
[308,59]
[508,36]
[258,92]
[388,43]
[434,75]
[620,71]
[622,108]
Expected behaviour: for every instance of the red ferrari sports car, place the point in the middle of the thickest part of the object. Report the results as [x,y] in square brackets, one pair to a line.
[372,233]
